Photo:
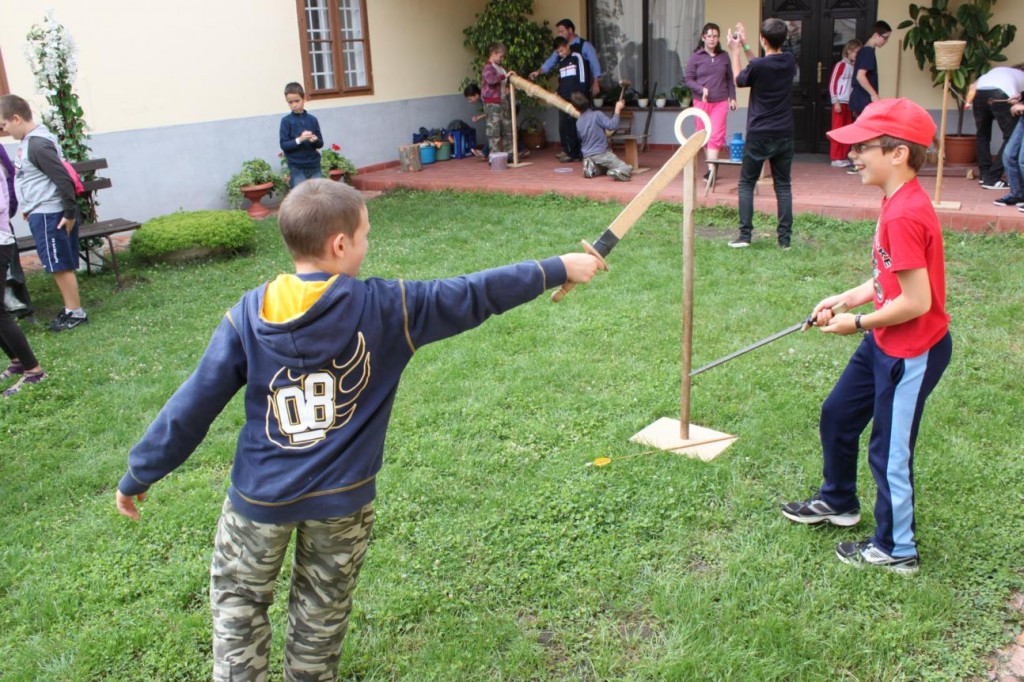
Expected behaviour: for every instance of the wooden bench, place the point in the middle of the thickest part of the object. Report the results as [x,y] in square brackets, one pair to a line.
[709,184]
[103,229]
[623,135]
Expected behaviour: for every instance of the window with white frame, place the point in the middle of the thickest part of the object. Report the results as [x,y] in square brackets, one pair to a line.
[647,42]
[335,47]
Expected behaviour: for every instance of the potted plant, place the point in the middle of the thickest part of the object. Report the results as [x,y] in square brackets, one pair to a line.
[255,181]
[335,166]
[641,99]
[681,94]
[660,99]
[969,21]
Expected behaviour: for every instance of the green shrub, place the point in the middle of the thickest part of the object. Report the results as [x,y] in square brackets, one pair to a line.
[218,230]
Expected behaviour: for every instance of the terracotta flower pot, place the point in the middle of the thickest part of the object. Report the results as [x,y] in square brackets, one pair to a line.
[336,174]
[254,193]
[961,150]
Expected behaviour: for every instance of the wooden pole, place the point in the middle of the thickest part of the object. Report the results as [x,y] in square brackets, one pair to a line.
[942,140]
[515,128]
[689,199]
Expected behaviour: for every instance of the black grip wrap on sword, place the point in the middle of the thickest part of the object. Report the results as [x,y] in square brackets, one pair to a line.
[606,242]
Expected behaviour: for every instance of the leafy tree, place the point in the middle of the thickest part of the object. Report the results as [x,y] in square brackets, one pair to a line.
[508,22]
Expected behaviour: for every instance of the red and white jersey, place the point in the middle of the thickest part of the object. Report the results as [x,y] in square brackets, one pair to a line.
[908,237]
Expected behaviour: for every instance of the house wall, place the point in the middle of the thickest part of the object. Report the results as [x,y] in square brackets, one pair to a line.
[178,94]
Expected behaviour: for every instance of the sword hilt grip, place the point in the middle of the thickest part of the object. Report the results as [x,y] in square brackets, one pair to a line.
[836,309]
[568,286]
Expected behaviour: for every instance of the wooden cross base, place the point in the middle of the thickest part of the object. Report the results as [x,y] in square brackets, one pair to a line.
[703,444]
[946,205]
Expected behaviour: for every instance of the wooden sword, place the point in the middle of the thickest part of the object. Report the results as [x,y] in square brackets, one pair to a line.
[635,209]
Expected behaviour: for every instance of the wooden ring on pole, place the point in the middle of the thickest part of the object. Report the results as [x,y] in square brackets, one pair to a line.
[689,113]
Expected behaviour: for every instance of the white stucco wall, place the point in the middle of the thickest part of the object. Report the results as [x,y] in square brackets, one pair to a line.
[146,64]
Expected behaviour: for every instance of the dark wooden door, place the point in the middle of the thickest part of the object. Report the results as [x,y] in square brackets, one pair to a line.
[818,30]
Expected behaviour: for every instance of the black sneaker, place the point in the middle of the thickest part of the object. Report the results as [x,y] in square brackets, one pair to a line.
[784,244]
[865,553]
[66,320]
[740,242]
[998,184]
[1008,200]
[815,510]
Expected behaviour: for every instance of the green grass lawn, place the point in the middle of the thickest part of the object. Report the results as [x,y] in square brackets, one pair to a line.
[498,555]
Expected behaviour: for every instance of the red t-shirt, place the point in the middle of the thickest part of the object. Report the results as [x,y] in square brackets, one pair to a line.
[909,237]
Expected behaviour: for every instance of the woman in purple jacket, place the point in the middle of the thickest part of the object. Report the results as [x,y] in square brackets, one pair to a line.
[709,77]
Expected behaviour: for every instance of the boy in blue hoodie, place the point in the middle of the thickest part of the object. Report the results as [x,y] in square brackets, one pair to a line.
[300,137]
[320,354]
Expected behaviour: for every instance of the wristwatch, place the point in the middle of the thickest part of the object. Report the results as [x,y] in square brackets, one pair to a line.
[856,322]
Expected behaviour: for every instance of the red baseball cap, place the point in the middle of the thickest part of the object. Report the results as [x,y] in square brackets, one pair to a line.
[898,117]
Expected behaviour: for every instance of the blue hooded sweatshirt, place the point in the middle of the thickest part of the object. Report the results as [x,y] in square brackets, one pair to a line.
[320,358]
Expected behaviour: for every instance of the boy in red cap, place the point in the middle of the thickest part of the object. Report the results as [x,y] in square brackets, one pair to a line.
[905,348]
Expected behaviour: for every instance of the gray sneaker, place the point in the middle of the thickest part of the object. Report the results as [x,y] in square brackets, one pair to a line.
[815,510]
[865,553]
[66,320]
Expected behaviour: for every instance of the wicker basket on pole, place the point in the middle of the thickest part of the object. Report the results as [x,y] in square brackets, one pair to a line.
[948,54]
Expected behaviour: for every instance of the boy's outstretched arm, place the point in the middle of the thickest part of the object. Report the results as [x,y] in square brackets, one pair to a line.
[184,420]
[440,308]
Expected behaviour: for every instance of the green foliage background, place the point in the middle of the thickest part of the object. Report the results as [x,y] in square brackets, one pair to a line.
[508,22]
[969,22]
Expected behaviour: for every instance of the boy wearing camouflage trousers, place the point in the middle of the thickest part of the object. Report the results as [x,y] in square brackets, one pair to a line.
[320,354]
[494,92]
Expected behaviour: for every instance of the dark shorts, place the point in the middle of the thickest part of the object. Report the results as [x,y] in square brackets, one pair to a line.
[57,248]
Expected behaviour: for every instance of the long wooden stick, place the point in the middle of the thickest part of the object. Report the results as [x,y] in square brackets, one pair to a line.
[942,140]
[689,198]
[515,131]
[540,93]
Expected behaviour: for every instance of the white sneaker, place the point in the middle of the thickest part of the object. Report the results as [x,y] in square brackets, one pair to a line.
[840,164]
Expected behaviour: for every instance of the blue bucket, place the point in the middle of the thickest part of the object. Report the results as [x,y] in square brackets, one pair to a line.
[428,154]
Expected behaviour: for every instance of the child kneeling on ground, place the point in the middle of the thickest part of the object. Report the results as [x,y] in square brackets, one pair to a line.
[319,354]
[598,157]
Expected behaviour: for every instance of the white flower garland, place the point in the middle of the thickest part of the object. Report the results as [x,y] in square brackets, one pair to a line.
[51,54]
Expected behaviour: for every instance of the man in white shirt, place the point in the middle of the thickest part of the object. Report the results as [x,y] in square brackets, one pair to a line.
[996,91]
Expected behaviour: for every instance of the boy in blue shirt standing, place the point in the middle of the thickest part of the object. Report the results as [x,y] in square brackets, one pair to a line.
[319,354]
[300,137]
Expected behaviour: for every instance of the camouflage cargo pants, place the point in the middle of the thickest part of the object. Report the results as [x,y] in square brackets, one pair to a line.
[499,126]
[247,557]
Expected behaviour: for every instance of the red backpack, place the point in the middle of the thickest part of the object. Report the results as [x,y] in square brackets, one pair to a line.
[79,188]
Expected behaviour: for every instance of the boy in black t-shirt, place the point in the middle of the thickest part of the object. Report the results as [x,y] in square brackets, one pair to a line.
[769,124]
